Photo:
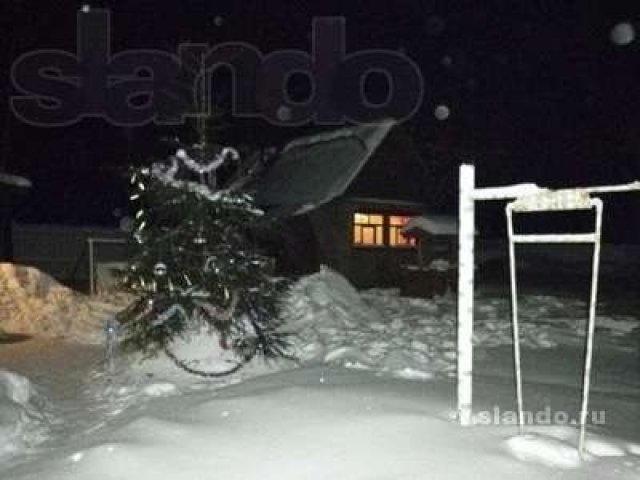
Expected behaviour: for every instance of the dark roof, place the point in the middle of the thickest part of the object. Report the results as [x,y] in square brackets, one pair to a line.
[314,170]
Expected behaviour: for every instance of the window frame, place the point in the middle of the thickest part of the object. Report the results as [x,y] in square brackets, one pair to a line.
[361,226]
[388,229]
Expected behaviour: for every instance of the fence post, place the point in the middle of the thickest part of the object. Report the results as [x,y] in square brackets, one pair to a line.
[92,286]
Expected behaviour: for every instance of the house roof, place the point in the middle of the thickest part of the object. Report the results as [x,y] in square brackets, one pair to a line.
[314,170]
[432,224]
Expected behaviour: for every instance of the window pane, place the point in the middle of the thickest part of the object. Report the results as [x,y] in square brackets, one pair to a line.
[368,236]
[368,229]
[379,236]
[393,236]
[357,235]
[360,218]
[399,220]
[397,239]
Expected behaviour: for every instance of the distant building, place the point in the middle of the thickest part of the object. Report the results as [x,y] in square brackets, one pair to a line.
[343,198]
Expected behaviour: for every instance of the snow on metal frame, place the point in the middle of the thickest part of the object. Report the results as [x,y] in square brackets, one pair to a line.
[469,194]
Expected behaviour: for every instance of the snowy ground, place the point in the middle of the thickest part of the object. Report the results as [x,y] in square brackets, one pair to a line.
[371,398]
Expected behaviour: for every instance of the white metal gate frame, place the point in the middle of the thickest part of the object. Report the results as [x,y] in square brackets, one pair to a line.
[563,200]
[468,195]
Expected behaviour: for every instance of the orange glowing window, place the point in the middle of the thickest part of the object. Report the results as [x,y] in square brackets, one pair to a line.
[368,229]
[378,230]
[396,238]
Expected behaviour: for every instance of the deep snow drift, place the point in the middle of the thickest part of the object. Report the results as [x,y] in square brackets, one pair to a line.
[31,302]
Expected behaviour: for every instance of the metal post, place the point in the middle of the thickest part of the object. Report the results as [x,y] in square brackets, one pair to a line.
[573,200]
[465,293]
[591,325]
[92,241]
[514,316]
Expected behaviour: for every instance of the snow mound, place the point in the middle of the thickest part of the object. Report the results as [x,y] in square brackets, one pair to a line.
[380,330]
[23,416]
[556,447]
[327,299]
[33,303]
[603,448]
[332,323]
[549,451]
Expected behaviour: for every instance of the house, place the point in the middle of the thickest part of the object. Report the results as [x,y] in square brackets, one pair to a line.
[342,199]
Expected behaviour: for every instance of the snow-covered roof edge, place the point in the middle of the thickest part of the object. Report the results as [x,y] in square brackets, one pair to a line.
[15,180]
[433,224]
[371,135]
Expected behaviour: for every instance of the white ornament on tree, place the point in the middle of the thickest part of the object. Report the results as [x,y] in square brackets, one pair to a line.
[160,269]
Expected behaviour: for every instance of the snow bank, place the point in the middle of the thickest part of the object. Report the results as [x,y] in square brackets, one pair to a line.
[382,331]
[33,303]
[23,417]
[378,330]
[330,320]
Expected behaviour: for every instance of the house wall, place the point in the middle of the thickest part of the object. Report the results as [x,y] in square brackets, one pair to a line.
[365,267]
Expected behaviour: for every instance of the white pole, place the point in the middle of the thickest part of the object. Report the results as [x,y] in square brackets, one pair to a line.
[465,292]
[591,325]
[514,316]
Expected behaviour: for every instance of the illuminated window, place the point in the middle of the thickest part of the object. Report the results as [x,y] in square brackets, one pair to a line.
[375,229]
[396,238]
[368,229]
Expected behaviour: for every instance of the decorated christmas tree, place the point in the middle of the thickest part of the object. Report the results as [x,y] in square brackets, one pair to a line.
[194,264]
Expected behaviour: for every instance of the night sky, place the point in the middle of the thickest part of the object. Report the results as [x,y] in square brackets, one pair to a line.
[537,91]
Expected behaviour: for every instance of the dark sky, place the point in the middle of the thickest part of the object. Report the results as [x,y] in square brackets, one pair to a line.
[535,89]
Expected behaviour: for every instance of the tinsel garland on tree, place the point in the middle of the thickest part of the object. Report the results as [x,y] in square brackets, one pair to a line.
[193,263]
